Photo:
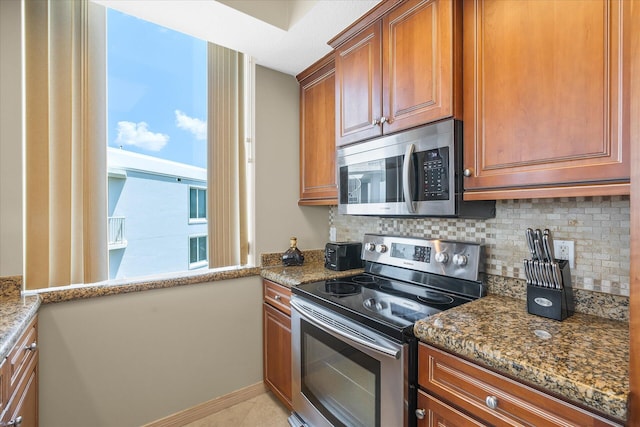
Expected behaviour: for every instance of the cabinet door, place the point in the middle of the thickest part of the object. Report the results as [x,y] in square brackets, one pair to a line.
[359,87]
[545,95]
[421,70]
[318,184]
[438,414]
[277,353]
[23,408]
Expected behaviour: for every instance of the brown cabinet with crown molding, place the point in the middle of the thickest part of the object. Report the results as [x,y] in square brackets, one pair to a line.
[318,182]
[398,67]
[546,98]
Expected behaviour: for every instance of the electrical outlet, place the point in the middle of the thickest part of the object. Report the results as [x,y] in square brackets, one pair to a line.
[564,249]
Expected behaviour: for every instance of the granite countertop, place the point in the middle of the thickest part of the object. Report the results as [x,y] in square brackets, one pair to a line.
[16,312]
[583,358]
[292,276]
[312,269]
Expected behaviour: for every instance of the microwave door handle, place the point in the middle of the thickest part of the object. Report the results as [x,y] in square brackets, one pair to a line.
[407,187]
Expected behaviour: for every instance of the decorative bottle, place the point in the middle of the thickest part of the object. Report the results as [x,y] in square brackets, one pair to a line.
[293,256]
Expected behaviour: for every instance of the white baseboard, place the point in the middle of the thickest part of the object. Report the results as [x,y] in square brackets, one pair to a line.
[210,407]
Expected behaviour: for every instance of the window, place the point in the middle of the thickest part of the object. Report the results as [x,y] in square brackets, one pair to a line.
[157,134]
[197,252]
[148,110]
[197,204]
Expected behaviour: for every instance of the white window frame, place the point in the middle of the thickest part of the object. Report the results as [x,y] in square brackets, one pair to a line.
[198,220]
[200,263]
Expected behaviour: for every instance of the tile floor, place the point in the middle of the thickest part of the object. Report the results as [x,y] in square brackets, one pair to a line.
[261,411]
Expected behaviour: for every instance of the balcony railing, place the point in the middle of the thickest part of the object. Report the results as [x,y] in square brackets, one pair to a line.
[117,237]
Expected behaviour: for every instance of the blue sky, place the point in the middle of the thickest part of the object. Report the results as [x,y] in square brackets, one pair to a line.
[157,90]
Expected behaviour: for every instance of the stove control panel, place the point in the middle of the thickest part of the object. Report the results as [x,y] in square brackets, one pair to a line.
[463,260]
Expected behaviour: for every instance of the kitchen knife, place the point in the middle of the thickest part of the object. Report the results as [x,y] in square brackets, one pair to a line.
[558,275]
[539,251]
[547,241]
[530,243]
[538,244]
[537,272]
[534,279]
[552,278]
[545,274]
[527,273]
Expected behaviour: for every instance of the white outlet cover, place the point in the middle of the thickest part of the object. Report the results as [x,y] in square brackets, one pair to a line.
[557,249]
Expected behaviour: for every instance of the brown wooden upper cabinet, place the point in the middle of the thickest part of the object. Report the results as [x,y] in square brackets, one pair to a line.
[546,98]
[318,182]
[398,67]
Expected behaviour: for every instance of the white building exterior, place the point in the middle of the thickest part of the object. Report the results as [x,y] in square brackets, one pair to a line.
[157,215]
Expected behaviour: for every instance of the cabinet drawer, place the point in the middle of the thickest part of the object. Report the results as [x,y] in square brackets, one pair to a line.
[22,354]
[277,296]
[439,414]
[474,389]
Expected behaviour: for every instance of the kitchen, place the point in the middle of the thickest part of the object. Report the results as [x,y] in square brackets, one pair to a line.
[78,355]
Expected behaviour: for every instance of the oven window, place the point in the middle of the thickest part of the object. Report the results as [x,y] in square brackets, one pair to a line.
[342,382]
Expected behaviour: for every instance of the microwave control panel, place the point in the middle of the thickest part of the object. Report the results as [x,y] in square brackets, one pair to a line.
[435,165]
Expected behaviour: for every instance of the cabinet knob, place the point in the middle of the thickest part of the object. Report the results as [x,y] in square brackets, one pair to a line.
[383,119]
[277,297]
[16,422]
[32,347]
[375,122]
[467,172]
[492,402]
[420,413]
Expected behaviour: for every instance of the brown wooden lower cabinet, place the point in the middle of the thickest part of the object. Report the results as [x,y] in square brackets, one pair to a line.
[464,389]
[276,321]
[20,381]
[435,413]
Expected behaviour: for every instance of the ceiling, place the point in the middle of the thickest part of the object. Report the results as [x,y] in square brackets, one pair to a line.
[284,35]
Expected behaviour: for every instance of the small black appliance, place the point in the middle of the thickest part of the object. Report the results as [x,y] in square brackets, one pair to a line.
[341,256]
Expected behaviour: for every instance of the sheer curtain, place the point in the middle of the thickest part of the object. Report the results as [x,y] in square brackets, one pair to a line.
[226,159]
[65,152]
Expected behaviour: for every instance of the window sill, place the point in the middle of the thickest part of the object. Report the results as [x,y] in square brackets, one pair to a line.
[123,286]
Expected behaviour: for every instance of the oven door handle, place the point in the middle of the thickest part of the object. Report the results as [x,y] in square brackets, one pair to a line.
[407,187]
[375,346]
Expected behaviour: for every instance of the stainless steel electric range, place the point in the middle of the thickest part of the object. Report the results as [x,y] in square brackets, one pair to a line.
[354,352]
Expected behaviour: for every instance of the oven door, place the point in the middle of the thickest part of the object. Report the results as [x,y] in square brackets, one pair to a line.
[344,374]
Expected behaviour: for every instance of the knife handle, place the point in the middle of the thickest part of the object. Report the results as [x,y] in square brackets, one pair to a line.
[531,243]
[548,244]
[558,275]
[539,251]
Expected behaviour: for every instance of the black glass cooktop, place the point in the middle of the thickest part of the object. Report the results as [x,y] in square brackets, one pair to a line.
[386,305]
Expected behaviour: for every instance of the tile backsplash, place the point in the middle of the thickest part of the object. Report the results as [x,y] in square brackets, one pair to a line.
[599,227]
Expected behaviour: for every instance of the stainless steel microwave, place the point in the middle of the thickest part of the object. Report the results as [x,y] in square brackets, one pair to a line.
[417,172]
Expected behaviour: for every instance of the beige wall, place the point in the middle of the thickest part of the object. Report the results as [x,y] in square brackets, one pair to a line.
[10,137]
[129,359]
[278,215]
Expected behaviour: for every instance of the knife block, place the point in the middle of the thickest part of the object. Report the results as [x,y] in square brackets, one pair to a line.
[552,303]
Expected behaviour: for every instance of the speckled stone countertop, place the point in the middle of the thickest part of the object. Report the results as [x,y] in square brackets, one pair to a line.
[585,359]
[312,270]
[16,312]
[115,287]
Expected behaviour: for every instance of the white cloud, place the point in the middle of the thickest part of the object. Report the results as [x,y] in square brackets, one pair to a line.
[196,126]
[139,135]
